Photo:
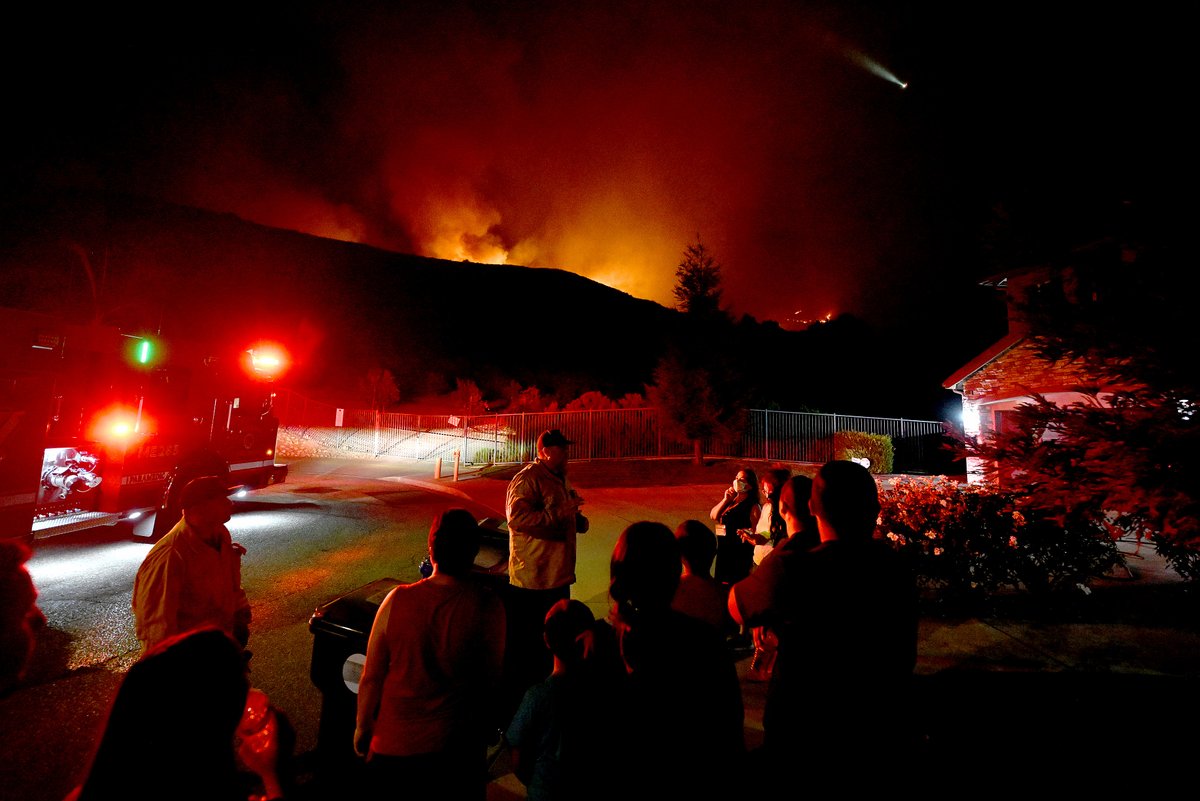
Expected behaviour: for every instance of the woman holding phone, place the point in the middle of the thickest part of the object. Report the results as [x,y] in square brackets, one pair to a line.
[738,509]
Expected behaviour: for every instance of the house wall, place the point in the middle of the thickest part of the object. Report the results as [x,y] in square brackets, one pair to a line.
[1019,372]
[1007,382]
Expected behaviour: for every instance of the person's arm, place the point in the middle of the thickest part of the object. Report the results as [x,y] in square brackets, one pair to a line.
[519,768]
[722,505]
[494,633]
[370,687]
[753,537]
[522,735]
[752,601]
[242,615]
[528,514]
[734,611]
[582,524]
[156,601]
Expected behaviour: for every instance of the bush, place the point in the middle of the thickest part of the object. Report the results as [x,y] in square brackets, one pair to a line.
[877,448]
[1183,560]
[508,452]
[973,541]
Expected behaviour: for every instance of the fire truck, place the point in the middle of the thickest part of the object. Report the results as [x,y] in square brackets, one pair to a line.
[100,427]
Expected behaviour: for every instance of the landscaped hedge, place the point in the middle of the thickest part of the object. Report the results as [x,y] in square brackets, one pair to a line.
[877,448]
[972,541]
[509,452]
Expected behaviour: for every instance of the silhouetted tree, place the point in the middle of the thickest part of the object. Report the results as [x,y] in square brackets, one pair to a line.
[698,281]
[380,386]
[697,402]
[590,401]
[467,396]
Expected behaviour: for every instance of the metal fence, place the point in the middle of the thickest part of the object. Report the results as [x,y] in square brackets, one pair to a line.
[769,435]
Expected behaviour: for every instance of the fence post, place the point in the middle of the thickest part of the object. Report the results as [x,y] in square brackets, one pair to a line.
[437,468]
[658,429]
[456,459]
[466,421]
[767,435]
[591,434]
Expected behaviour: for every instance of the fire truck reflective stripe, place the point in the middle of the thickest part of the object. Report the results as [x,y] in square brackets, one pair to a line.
[251,465]
[17,500]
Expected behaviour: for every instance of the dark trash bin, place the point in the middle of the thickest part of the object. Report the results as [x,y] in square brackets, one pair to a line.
[340,630]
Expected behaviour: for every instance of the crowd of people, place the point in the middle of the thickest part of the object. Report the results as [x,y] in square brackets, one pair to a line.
[641,703]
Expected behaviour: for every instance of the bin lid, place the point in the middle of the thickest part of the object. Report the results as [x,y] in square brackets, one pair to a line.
[492,559]
[354,612]
[494,527]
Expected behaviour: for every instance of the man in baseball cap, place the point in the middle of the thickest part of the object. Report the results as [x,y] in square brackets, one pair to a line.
[193,576]
[201,490]
[543,511]
[552,438]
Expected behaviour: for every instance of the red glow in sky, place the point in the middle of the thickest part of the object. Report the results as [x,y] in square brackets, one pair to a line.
[603,137]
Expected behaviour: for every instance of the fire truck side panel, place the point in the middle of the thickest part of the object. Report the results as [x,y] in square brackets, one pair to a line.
[24,401]
[85,434]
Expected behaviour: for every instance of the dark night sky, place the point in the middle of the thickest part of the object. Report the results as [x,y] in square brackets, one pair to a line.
[603,137]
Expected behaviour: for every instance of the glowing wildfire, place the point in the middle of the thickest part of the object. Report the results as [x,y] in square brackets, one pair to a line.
[607,242]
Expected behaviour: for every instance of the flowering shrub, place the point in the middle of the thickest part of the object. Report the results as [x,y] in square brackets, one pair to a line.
[877,448]
[976,540]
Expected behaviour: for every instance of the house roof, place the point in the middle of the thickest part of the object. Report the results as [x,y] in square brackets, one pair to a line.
[982,360]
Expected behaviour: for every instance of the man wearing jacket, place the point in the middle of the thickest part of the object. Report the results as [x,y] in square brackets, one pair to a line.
[193,576]
[543,518]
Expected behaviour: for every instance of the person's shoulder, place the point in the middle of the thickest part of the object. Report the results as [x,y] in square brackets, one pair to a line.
[867,551]
[692,629]
[166,549]
[487,594]
[703,585]
[525,474]
[411,589]
[481,594]
[887,560]
[696,643]
[604,638]
[796,547]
